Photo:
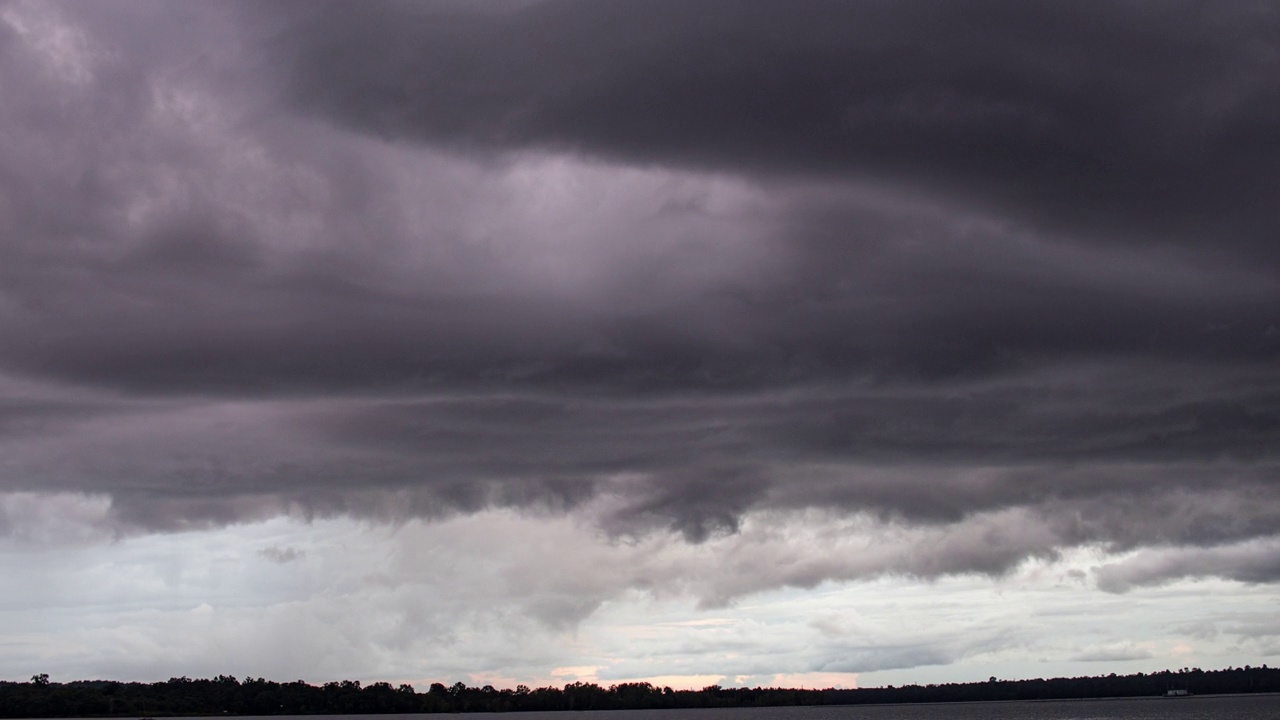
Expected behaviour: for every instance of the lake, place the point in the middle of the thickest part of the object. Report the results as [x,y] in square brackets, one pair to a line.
[1205,707]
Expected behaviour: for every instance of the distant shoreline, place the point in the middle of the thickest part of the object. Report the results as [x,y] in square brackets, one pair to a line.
[1215,696]
[227,696]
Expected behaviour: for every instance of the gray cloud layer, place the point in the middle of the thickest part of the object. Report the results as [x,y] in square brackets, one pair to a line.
[668,263]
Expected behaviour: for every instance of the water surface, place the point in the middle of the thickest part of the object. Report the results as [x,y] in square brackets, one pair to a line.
[1217,707]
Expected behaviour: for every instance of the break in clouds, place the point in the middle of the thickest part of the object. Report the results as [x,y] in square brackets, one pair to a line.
[994,280]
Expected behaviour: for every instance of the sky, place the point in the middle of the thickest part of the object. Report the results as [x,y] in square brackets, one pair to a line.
[811,343]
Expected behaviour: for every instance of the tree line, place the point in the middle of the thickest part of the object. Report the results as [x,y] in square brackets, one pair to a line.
[227,695]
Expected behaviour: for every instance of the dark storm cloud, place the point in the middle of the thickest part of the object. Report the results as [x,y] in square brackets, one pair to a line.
[1250,563]
[204,296]
[1123,118]
[197,307]
[1003,273]
[1157,474]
